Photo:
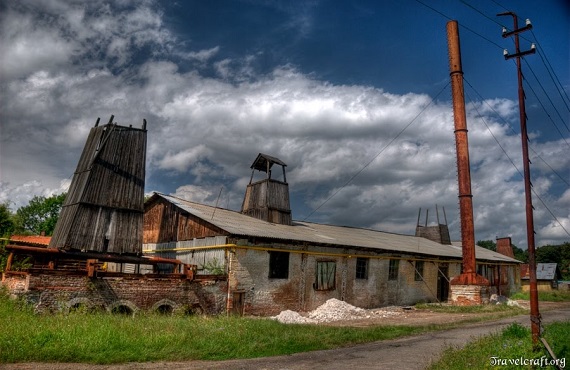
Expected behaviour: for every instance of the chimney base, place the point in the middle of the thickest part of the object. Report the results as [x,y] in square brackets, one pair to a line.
[469,290]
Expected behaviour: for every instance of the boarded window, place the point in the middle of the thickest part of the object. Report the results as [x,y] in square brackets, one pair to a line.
[361,268]
[325,275]
[278,265]
[393,269]
[419,274]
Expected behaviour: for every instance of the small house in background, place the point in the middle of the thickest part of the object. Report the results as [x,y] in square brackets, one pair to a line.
[547,276]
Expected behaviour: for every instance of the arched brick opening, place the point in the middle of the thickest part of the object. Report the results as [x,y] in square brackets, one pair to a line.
[165,307]
[123,307]
[80,304]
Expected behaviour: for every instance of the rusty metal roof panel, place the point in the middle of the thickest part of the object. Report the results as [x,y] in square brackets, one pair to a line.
[242,225]
[545,271]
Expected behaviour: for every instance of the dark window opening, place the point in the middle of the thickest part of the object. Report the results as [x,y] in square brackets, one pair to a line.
[362,268]
[393,269]
[325,275]
[419,273]
[278,265]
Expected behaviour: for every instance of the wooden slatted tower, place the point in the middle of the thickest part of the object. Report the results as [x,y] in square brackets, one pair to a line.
[103,210]
[267,199]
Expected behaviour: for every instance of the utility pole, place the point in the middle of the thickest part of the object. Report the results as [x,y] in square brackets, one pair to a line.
[534,312]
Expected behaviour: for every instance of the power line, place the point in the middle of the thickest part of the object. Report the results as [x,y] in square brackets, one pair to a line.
[378,154]
[547,114]
[514,132]
[543,57]
[461,25]
[549,69]
[512,162]
[483,14]
[545,93]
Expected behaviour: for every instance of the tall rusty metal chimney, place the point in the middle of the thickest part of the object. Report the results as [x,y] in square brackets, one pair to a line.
[469,275]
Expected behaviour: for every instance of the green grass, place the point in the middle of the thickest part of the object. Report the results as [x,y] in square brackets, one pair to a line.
[104,338]
[511,344]
[488,308]
[552,296]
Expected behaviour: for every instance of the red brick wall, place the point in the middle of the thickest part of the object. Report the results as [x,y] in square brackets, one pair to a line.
[56,292]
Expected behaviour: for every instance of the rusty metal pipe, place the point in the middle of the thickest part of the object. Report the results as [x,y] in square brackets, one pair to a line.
[462,148]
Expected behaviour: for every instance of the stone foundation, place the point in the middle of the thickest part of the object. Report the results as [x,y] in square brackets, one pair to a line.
[469,295]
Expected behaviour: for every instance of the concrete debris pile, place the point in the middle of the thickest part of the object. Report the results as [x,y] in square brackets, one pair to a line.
[292,317]
[500,299]
[335,310]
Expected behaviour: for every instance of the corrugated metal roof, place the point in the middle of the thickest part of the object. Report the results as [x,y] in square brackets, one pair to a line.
[30,239]
[544,271]
[238,224]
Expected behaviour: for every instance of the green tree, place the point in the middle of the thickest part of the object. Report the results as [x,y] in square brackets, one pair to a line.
[559,254]
[40,215]
[487,244]
[6,221]
[521,255]
[6,229]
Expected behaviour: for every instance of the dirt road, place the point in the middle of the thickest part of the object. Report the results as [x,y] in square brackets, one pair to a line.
[414,352]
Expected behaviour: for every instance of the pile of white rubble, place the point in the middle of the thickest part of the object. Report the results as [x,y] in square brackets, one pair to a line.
[335,310]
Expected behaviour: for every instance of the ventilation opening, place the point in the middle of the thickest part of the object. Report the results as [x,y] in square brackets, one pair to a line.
[193,310]
[81,308]
[122,310]
[165,309]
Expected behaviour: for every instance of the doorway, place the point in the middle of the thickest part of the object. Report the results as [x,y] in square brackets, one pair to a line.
[238,303]
[443,282]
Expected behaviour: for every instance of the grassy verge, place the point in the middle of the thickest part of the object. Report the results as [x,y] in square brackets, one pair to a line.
[105,338]
[488,308]
[504,349]
[553,296]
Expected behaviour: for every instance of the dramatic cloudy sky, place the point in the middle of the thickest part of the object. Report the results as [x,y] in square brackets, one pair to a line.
[352,95]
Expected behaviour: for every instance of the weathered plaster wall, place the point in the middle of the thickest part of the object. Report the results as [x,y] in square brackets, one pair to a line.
[249,273]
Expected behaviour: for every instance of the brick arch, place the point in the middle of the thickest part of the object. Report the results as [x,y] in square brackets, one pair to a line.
[78,301]
[123,302]
[165,302]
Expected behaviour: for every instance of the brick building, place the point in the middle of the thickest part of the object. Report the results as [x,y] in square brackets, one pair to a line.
[273,263]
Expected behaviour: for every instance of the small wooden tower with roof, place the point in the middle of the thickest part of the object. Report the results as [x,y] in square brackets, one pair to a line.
[103,209]
[267,199]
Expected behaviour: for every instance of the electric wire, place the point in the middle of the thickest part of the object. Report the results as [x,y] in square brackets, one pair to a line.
[493,43]
[544,61]
[483,14]
[460,25]
[545,93]
[512,162]
[379,153]
[547,114]
[514,132]
[549,68]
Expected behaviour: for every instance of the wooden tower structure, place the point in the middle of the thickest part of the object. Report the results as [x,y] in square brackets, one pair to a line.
[267,199]
[103,210]
[438,233]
